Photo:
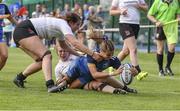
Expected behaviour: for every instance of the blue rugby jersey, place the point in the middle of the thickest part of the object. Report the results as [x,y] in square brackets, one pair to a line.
[79,69]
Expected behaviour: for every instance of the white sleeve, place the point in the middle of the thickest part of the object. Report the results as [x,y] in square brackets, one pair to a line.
[115,3]
[66,29]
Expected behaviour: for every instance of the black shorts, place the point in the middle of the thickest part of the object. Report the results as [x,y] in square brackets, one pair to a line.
[23,30]
[128,30]
[160,34]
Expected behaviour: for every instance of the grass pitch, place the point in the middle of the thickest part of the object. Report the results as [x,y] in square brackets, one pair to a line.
[155,93]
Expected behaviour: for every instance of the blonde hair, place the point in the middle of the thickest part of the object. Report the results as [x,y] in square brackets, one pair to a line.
[107,46]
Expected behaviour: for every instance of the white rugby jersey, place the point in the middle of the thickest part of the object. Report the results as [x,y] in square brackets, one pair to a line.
[133,13]
[63,66]
[49,27]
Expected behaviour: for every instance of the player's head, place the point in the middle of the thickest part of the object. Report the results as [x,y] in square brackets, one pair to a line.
[73,20]
[62,53]
[106,49]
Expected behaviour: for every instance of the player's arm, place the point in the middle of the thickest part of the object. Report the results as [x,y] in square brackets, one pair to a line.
[12,20]
[4,16]
[9,17]
[64,45]
[75,43]
[143,7]
[117,11]
[99,75]
[154,20]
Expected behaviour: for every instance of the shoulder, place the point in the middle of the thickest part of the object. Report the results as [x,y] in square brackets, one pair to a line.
[72,57]
[90,59]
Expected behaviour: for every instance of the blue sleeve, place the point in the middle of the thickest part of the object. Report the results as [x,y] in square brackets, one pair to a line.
[115,63]
[90,60]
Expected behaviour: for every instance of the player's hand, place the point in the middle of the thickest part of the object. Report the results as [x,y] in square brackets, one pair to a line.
[158,24]
[133,70]
[123,11]
[117,71]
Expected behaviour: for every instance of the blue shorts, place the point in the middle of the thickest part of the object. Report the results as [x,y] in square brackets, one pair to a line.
[78,70]
[1,36]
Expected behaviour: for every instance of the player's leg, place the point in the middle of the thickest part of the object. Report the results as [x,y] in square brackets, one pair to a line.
[170,56]
[103,87]
[123,53]
[159,56]
[3,50]
[117,84]
[34,47]
[76,84]
[3,54]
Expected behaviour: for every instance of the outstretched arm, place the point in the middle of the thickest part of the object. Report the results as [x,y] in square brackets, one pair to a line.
[64,45]
[100,75]
[75,43]
[4,16]
[117,11]
[10,18]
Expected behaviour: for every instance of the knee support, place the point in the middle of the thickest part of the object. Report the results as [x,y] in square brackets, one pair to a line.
[46,53]
[100,88]
[96,86]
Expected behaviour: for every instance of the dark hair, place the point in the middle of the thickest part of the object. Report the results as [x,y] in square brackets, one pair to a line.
[71,17]
[107,46]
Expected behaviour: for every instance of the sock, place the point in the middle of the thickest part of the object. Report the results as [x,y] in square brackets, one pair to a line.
[49,83]
[21,76]
[159,58]
[170,57]
[138,68]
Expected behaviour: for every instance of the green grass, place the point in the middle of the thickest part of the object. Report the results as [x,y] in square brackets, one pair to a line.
[155,93]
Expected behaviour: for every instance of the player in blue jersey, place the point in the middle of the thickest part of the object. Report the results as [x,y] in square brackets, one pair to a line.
[87,73]
[4,13]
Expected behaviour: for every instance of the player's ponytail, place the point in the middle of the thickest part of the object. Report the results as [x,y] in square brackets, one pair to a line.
[71,17]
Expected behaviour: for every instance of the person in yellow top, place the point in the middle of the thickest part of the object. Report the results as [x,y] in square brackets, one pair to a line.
[160,13]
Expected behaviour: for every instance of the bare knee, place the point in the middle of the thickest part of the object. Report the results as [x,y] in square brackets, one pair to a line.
[4,57]
[160,50]
[49,56]
[133,51]
[171,48]
[46,55]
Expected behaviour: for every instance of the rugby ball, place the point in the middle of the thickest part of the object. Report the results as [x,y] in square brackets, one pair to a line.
[126,77]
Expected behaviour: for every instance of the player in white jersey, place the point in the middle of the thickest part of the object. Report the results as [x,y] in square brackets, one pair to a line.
[28,34]
[65,60]
[129,18]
